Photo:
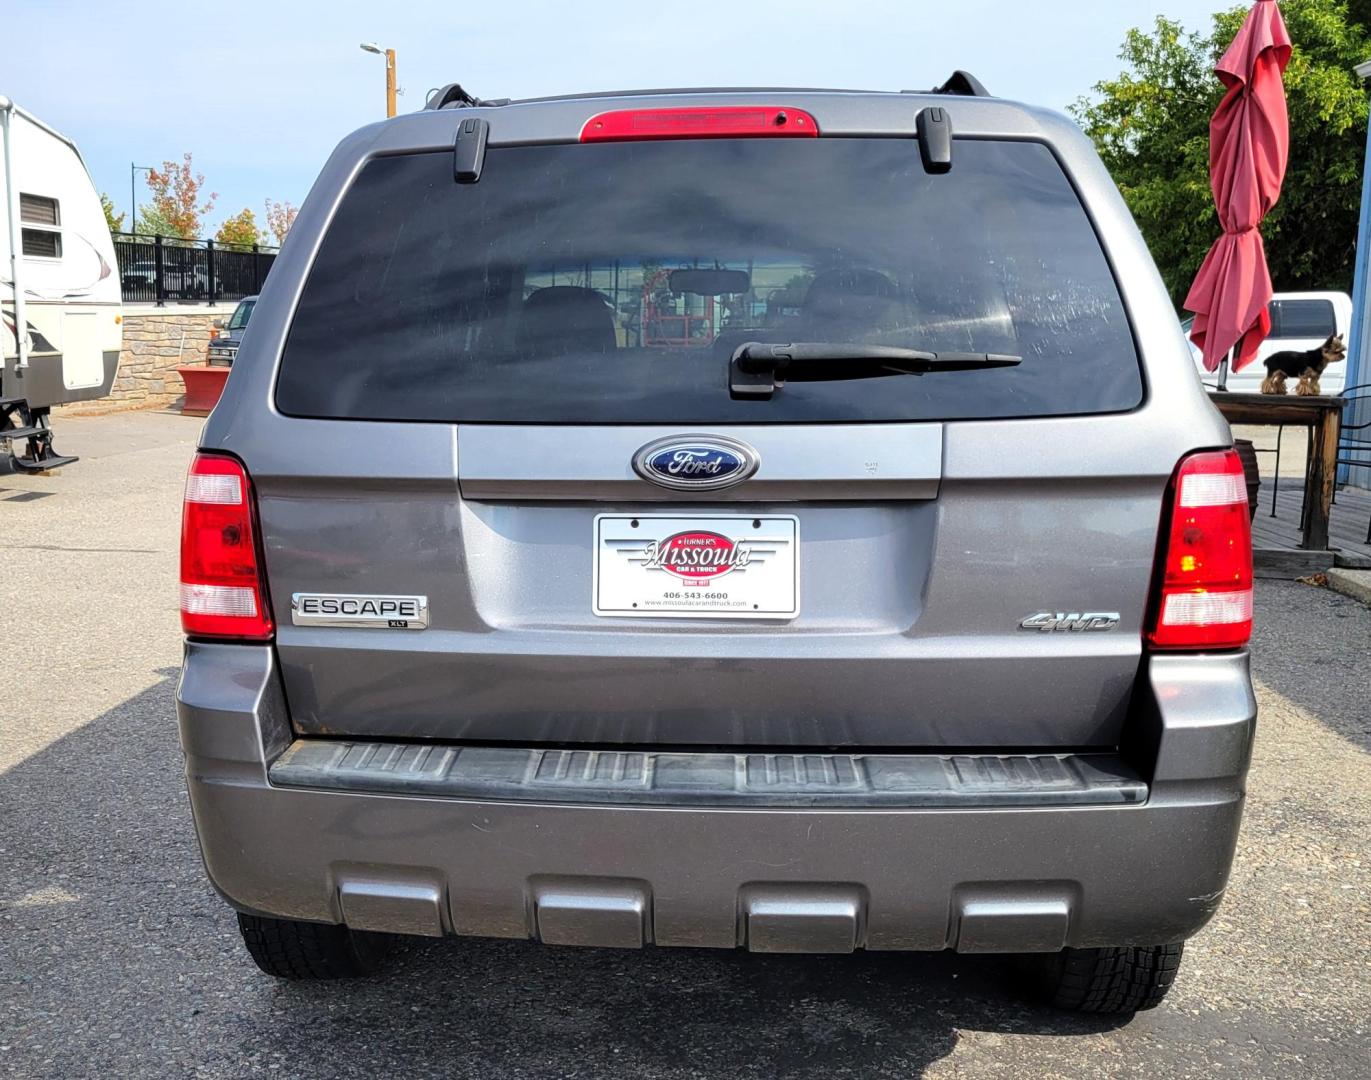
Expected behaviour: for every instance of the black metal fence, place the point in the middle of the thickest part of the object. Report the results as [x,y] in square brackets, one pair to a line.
[158,269]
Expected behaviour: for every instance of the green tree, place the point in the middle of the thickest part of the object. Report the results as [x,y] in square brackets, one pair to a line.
[240,230]
[177,204]
[1151,126]
[113,220]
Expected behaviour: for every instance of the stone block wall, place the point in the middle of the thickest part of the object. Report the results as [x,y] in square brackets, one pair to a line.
[156,342]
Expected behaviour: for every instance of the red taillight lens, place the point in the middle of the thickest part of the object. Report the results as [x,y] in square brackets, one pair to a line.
[724,122]
[222,593]
[1206,586]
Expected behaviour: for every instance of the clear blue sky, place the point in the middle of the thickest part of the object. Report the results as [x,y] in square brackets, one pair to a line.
[259,93]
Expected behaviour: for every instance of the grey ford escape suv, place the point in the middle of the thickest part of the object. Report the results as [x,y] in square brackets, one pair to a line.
[776,519]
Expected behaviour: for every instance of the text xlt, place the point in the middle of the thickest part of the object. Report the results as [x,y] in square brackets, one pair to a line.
[781,520]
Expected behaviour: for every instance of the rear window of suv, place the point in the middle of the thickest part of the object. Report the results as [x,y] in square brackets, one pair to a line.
[550,292]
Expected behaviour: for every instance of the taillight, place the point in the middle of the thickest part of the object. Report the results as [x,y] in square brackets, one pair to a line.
[222,591]
[1206,558]
[696,122]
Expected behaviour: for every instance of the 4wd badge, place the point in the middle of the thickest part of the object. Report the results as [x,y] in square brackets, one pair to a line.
[1072,621]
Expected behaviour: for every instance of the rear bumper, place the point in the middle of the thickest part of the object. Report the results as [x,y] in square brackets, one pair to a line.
[1005,879]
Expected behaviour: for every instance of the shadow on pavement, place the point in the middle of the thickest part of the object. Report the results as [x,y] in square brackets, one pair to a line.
[1310,646]
[117,959]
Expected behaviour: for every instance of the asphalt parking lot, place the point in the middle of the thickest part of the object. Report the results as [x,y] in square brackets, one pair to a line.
[117,959]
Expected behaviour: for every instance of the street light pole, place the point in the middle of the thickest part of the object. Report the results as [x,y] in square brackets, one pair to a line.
[134,170]
[389,54]
[390,82]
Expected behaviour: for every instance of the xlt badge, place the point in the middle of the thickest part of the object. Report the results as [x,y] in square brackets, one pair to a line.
[341,609]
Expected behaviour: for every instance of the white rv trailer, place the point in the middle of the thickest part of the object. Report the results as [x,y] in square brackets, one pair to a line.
[61,312]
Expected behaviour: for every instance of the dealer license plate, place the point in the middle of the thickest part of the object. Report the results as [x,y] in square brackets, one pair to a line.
[721,566]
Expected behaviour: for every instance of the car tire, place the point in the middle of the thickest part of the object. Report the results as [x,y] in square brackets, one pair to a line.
[1109,981]
[289,949]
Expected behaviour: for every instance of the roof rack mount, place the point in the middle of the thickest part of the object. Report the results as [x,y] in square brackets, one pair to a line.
[452,96]
[963,84]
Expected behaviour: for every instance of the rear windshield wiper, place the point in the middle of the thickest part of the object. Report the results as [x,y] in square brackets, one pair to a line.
[760,368]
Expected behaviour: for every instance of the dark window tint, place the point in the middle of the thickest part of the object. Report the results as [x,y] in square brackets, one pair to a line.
[43,243]
[1303,319]
[553,291]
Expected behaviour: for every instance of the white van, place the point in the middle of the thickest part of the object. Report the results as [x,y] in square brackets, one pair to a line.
[1299,321]
[60,305]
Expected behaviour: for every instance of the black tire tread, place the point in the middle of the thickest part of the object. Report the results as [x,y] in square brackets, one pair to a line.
[289,949]
[1119,980]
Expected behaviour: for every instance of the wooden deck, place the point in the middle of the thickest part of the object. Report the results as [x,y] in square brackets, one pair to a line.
[1276,540]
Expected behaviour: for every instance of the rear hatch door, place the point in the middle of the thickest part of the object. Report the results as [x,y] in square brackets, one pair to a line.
[513,400]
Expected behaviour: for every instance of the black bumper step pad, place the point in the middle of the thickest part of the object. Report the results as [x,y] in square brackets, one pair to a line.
[671,778]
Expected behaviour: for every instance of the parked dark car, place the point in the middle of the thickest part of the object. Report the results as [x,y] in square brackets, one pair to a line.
[223,348]
[181,278]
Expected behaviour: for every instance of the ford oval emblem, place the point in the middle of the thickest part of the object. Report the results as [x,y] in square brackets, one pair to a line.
[696,462]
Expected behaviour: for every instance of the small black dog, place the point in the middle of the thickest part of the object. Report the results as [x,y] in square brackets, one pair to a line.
[1305,366]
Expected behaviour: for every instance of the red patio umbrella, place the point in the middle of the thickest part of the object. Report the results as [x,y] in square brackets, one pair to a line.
[1249,143]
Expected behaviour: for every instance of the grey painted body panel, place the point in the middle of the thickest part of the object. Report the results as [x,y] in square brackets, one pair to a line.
[852,462]
[923,546]
[932,877]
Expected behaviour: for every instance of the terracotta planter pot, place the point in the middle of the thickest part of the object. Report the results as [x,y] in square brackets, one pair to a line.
[203,387]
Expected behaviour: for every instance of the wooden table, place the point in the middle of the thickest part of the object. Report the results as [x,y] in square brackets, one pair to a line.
[1323,416]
